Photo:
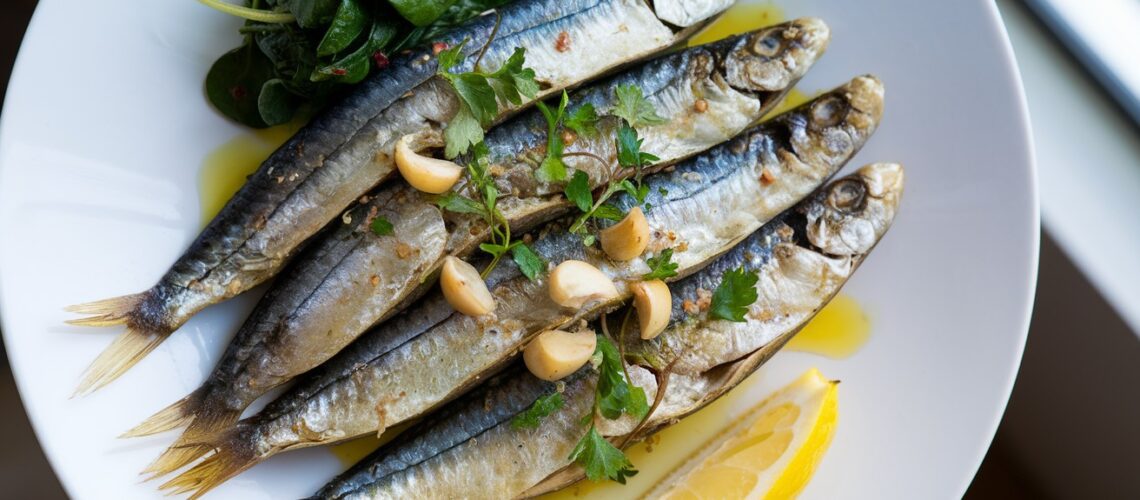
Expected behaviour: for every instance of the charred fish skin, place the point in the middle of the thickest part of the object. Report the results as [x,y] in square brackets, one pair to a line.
[503,461]
[705,205]
[346,151]
[326,310]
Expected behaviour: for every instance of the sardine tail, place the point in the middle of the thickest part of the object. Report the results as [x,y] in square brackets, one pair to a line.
[210,428]
[176,415]
[127,349]
[106,312]
[233,457]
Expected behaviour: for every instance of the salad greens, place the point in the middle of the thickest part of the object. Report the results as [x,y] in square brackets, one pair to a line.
[305,52]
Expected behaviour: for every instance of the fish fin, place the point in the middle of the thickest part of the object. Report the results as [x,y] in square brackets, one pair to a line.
[176,415]
[127,349]
[210,428]
[235,455]
[107,312]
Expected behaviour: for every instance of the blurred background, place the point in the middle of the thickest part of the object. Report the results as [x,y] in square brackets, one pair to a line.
[1072,427]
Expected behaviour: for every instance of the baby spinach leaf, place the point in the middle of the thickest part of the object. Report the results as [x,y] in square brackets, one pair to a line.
[276,103]
[234,84]
[421,12]
[346,27]
[313,13]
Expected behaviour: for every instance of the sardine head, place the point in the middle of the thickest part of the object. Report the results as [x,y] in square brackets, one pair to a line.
[774,58]
[850,215]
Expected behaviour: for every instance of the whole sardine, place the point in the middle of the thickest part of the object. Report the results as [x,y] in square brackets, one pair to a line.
[430,354]
[347,149]
[801,258]
[350,278]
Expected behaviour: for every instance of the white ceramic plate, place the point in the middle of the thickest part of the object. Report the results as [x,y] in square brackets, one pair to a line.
[105,128]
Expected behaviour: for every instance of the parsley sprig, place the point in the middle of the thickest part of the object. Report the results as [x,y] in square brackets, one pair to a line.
[483,186]
[634,110]
[582,121]
[661,266]
[542,408]
[480,95]
[614,395]
[736,291]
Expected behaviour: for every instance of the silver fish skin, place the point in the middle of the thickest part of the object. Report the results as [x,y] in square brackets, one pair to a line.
[351,279]
[802,259]
[347,150]
[703,206]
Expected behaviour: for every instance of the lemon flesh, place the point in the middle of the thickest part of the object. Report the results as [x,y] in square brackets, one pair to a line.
[770,452]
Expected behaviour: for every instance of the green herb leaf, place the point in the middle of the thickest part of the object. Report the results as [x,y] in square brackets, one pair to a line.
[346,27]
[661,266]
[600,459]
[450,57]
[234,84]
[529,262]
[512,81]
[634,108]
[609,212]
[381,226]
[477,94]
[615,395]
[552,168]
[737,291]
[461,133]
[421,12]
[355,66]
[629,147]
[542,408]
[453,202]
[494,249]
[276,103]
[583,120]
[578,191]
[313,13]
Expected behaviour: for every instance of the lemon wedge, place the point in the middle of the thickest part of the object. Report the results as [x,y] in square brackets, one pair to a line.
[769,452]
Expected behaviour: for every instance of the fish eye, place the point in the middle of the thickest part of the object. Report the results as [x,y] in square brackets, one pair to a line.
[767,44]
[828,111]
[848,196]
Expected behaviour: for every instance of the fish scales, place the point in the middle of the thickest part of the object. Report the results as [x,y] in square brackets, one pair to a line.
[384,272]
[450,356]
[347,150]
[499,460]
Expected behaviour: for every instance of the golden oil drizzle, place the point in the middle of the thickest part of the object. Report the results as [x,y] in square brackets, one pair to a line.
[225,169]
[746,15]
[352,451]
[838,331]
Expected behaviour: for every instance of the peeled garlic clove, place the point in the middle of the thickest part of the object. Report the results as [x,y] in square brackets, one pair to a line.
[628,238]
[654,303]
[427,174]
[554,354]
[464,289]
[573,283]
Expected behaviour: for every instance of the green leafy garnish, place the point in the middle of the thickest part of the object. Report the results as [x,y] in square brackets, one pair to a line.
[482,186]
[552,168]
[578,191]
[480,95]
[583,120]
[634,108]
[600,459]
[529,262]
[381,226]
[615,395]
[542,408]
[306,52]
[661,266]
[737,291]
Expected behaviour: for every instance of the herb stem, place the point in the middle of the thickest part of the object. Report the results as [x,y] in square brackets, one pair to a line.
[482,51]
[588,155]
[262,16]
[578,224]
